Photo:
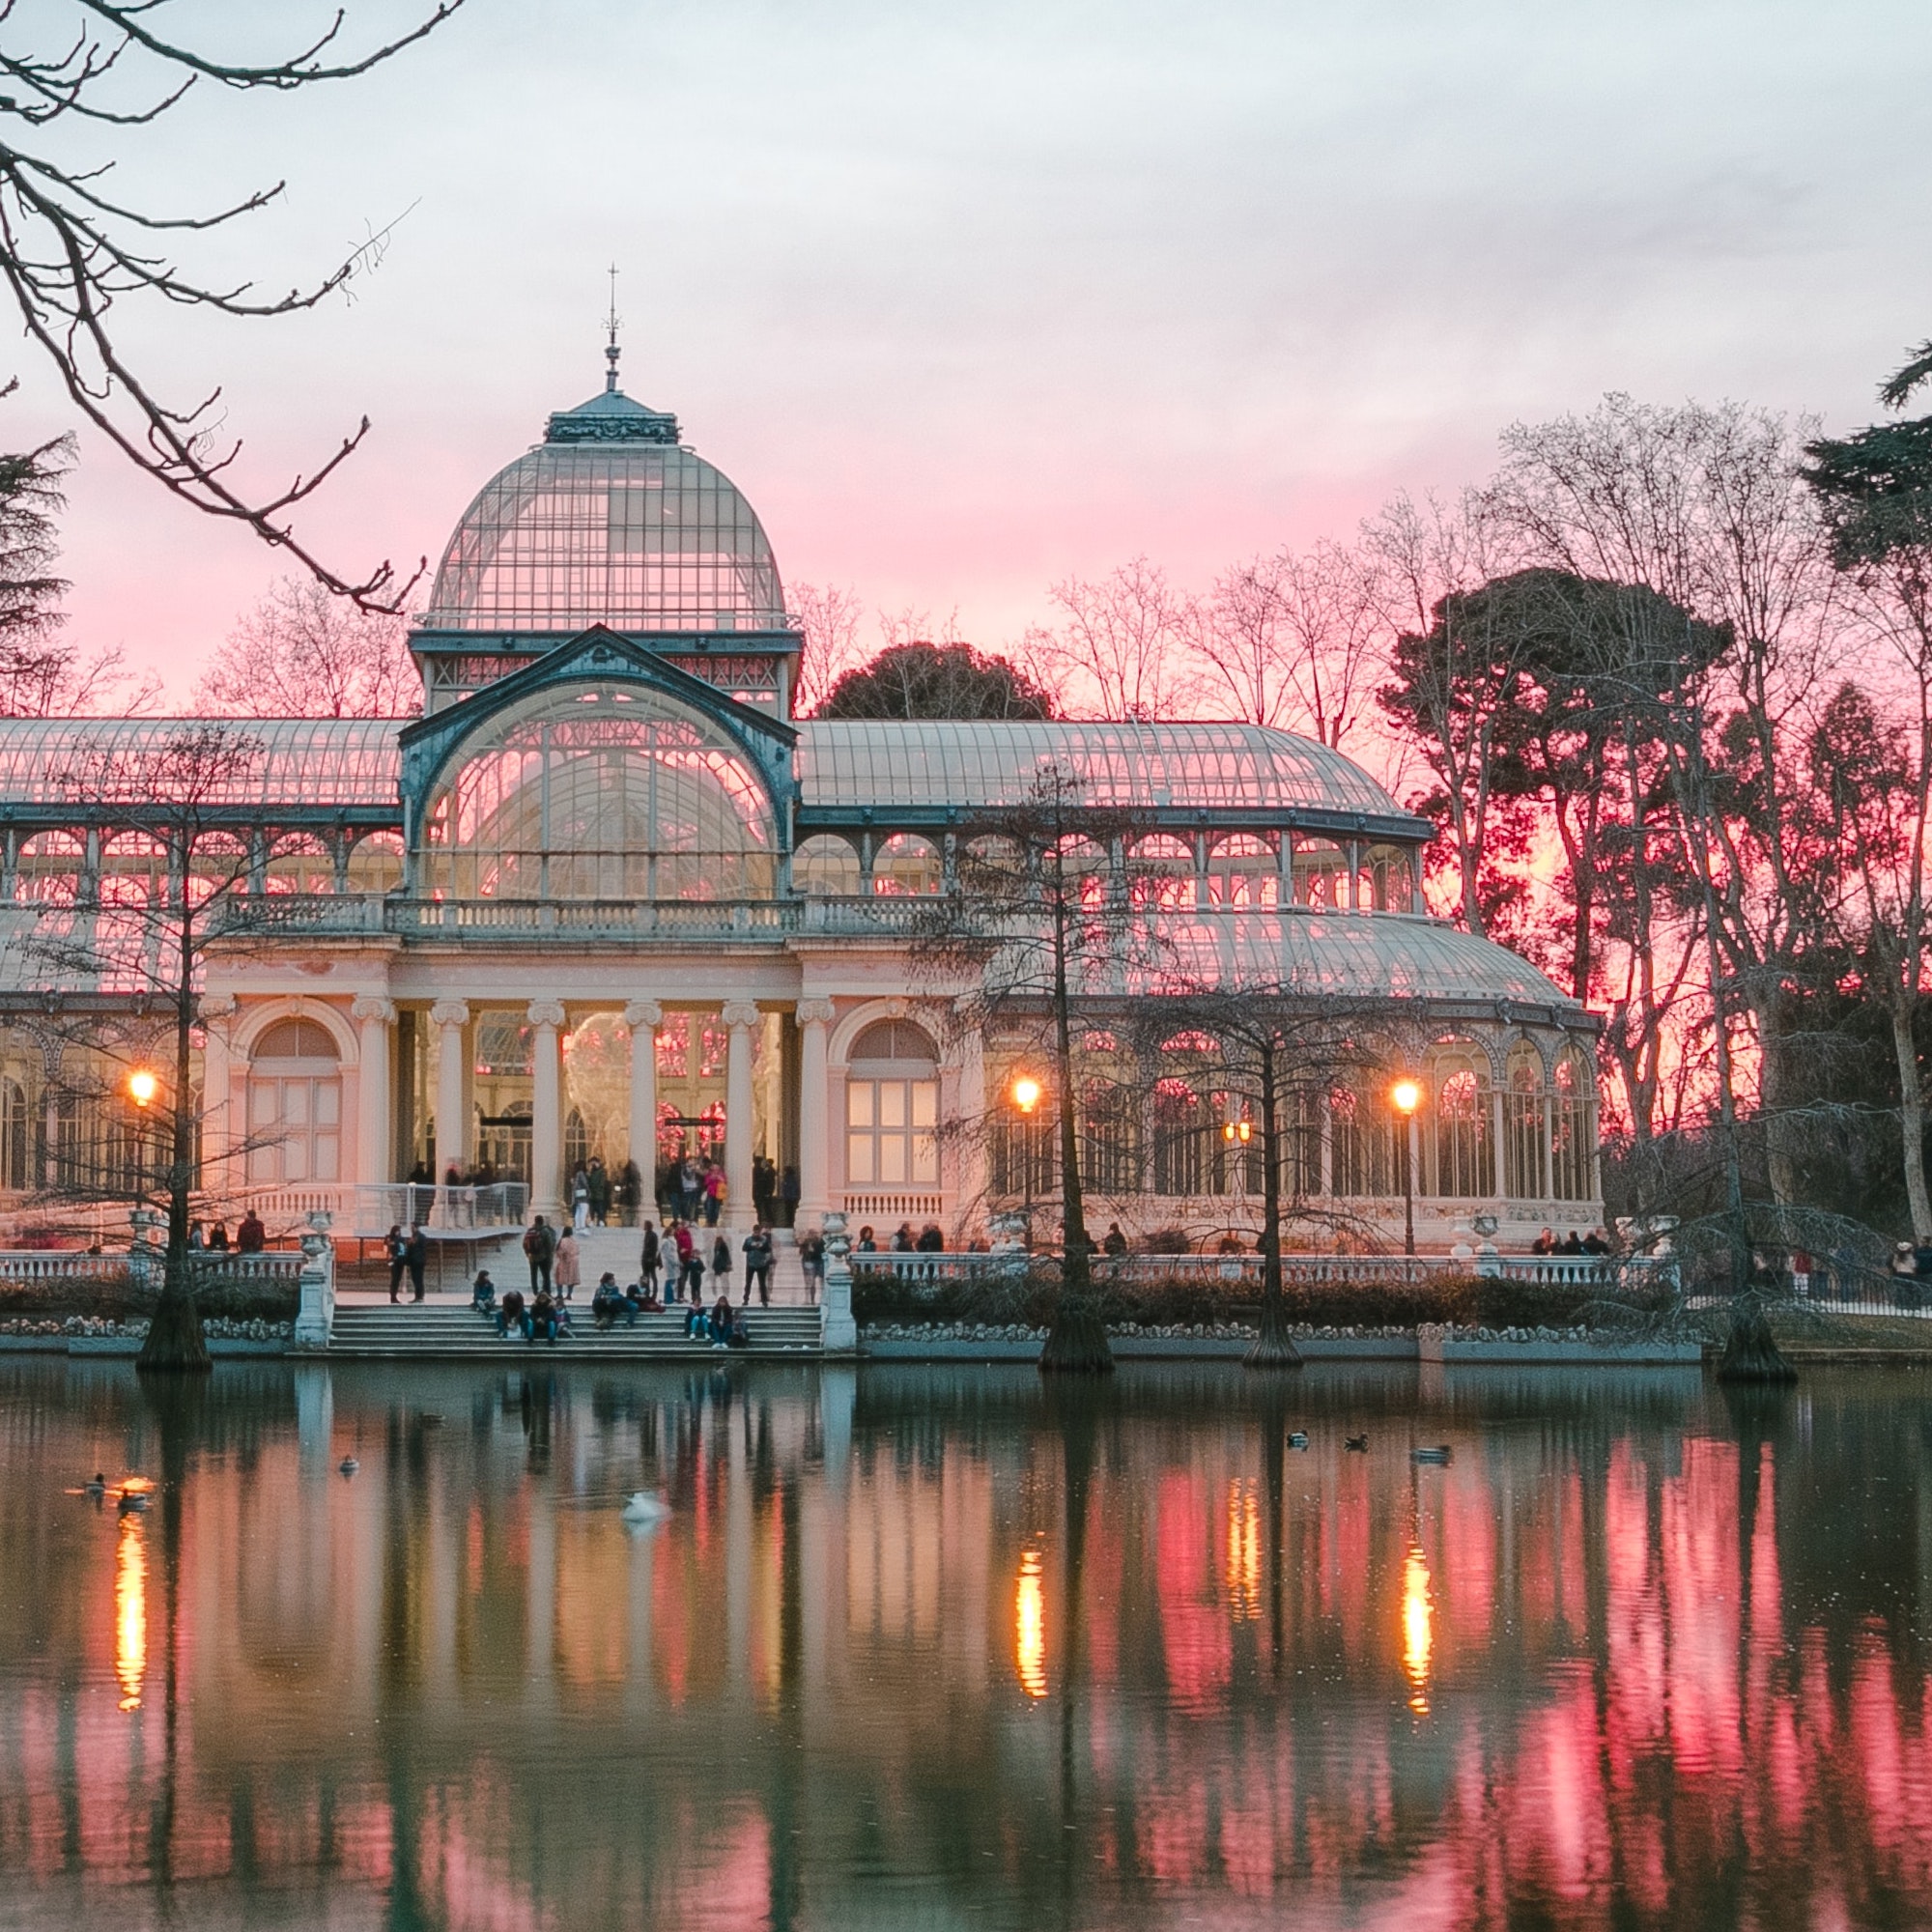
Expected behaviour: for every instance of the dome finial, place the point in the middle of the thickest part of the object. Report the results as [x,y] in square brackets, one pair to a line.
[610,350]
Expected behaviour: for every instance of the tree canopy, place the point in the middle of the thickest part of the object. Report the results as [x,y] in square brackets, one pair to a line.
[925,680]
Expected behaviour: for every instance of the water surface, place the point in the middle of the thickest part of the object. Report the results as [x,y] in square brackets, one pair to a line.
[941,1648]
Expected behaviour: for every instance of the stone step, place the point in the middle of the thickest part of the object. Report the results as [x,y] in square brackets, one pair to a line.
[453,1332]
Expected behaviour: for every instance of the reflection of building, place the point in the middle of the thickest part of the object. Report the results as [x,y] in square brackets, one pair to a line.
[607,893]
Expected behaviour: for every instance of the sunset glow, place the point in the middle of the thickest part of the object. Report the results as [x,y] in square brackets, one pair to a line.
[130,1611]
[1030,1627]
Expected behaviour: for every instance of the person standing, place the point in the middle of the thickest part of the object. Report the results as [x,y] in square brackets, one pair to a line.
[580,1200]
[252,1236]
[398,1252]
[759,1265]
[650,1259]
[690,1188]
[714,1193]
[721,1267]
[417,1257]
[568,1270]
[539,1248]
[599,1183]
[811,1258]
[790,1194]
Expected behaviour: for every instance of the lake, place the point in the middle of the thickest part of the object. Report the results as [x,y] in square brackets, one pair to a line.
[942,1647]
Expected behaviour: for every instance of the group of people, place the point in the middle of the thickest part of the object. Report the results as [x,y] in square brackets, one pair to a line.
[678,1254]
[1596,1242]
[929,1240]
[252,1236]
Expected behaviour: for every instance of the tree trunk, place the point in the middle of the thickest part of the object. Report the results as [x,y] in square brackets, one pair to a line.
[1076,1343]
[175,1343]
[1911,1116]
[1781,1165]
[1752,1354]
[1274,1347]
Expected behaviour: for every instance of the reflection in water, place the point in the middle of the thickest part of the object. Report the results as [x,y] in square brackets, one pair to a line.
[1650,1657]
[1030,1627]
[131,1610]
[1417,1628]
[1244,1549]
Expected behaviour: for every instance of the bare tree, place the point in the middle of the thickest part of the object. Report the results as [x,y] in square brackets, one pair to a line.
[184,791]
[1294,643]
[827,618]
[303,652]
[1126,643]
[71,249]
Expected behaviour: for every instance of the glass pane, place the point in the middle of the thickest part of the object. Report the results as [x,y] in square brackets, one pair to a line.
[327,1157]
[295,1103]
[263,1102]
[892,1103]
[924,1160]
[328,1103]
[859,1103]
[891,1160]
[294,1158]
[925,1102]
[859,1160]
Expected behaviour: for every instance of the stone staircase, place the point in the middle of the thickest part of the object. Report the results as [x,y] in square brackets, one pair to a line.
[442,1331]
[617,1249]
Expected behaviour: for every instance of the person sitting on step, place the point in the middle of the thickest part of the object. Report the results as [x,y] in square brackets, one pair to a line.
[483,1292]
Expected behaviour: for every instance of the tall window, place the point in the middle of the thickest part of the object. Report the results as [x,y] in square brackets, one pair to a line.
[14,1134]
[1320,869]
[1184,1128]
[1465,1159]
[1363,1158]
[1571,1127]
[891,1108]
[1298,1121]
[1110,1144]
[1522,1124]
[295,1106]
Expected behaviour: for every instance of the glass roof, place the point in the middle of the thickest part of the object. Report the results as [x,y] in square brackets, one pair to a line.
[303,761]
[608,520]
[1230,766]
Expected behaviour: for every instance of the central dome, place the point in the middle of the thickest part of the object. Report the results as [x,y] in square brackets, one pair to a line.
[608,520]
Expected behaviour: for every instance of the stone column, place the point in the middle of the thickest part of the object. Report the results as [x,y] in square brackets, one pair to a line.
[374,1159]
[643,1017]
[217,1135]
[546,1020]
[741,1016]
[815,1113]
[450,1017]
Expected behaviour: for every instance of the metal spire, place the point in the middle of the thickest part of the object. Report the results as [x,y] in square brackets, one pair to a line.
[612,351]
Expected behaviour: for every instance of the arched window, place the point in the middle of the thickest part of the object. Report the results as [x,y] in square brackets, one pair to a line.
[1388,876]
[295,1105]
[301,863]
[1523,1123]
[49,866]
[825,867]
[1363,1159]
[1320,873]
[1109,1119]
[14,1130]
[134,872]
[1184,1128]
[1163,872]
[1243,870]
[992,867]
[376,863]
[1464,1159]
[906,865]
[591,793]
[1572,1127]
[892,1107]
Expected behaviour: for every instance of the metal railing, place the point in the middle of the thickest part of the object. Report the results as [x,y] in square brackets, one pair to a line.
[352,915]
[1298,1271]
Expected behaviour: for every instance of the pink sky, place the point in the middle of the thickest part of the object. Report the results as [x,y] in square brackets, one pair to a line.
[970,301]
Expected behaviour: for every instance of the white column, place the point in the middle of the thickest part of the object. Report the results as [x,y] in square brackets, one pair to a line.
[643,1017]
[741,1016]
[546,1019]
[450,1017]
[814,1114]
[217,1135]
[373,1158]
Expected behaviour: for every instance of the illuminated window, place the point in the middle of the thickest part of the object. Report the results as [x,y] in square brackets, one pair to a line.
[1523,1123]
[1572,1127]
[1464,1158]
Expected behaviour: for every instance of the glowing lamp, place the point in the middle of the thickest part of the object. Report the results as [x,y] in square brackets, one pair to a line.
[1238,1131]
[142,1087]
[1405,1096]
[1026,1093]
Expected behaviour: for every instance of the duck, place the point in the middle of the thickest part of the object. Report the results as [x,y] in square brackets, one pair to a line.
[98,1487]
[644,1507]
[1358,1443]
[1440,1454]
[1298,1438]
[348,1465]
[134,1502]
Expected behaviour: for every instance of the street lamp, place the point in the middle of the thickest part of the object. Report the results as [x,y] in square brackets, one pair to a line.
[1237,1134]
[1026,1097]
[142,1087]
[1404,1096]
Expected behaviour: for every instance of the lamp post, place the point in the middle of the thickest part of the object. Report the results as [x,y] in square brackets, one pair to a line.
[1404,1096]
[1026,1097]
[142,1087]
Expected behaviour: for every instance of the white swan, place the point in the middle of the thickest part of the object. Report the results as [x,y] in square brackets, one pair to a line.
[644,1507]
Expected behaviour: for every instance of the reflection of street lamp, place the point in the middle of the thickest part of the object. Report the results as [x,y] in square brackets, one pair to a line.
[142,1087]
[1404,1096]
[1026,1097]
